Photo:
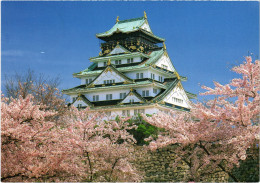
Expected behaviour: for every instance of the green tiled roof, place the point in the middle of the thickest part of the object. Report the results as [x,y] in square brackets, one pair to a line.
[124,26]
[168,105]
[154,56]
[83,88]
[127,26]
[118,56]
[166,92]
[191,95]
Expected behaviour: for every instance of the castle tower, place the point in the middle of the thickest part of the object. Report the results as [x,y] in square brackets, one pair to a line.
[131,75]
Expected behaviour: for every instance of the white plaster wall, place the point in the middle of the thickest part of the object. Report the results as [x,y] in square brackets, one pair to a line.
[151,94]
[83,80]
[132,75]
[102,94]
[156,75]
[100,64]
[123,61]
[180,94]
[151,110]
[166,61]
[147,74]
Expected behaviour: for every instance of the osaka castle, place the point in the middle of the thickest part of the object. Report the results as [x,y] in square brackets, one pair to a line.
[132,74]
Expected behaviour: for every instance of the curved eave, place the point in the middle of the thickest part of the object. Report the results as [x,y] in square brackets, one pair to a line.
[191,95]
[152,35]
[97,59]
[127,69]
[105,88]
[175,107]
[100,36]
[125,106]
[127,24]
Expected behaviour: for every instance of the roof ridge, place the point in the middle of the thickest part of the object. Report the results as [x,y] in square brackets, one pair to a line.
[130,20]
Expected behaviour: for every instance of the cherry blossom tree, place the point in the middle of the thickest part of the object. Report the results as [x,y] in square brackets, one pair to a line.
[31,147]
[44,90]
[86,148]
[216,134]
[102,151]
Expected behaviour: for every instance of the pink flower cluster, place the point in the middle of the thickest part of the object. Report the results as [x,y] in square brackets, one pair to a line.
[219,132]
[84,148]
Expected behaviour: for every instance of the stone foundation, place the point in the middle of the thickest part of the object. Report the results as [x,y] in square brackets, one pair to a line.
[157,167]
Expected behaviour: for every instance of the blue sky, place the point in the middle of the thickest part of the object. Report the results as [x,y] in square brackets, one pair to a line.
[204,39]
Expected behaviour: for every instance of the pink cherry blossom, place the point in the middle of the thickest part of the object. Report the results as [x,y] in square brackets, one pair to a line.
[219,132]
[83,148]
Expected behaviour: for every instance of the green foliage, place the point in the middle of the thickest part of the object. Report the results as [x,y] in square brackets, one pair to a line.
[144,130]
[248,171]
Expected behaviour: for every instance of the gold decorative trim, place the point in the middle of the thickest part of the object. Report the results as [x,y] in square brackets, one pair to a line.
[126,82]
[106,51]
[164,46]
[166,54]
[177,75]
[117,19]
[145,16]
[92,85]
[109,62]
[132,47]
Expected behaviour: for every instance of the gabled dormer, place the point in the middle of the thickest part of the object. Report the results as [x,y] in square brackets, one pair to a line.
[133,97]
[119,49]
[81,101]
[110,75]
[165,62]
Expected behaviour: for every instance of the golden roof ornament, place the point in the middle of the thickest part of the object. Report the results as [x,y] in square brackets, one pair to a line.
[177,75]
[164,46]
[117,19]
[109,62]
[145,16]
[131,89]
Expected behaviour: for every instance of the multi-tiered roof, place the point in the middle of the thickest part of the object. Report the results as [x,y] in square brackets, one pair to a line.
[125,40]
